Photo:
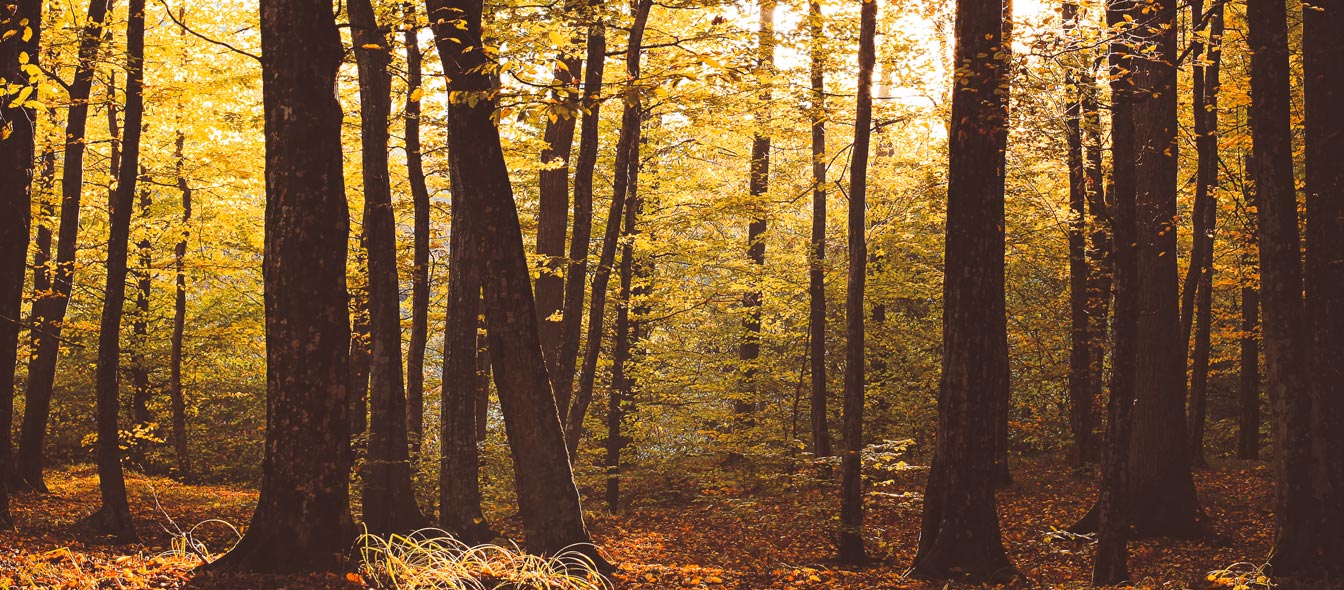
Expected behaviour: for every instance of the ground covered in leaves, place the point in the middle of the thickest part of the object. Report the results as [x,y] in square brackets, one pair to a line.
[680,532]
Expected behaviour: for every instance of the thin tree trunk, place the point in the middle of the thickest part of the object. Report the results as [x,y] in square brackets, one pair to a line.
[114,517]
[175,394]
[627,149]
[1100,263]
[821,432]
[850,538]
[16,188]
[547,497]
[140,388]
[361,352]
[1080,339]
[388,497]
[49,311]
[960,529]
[749,350]
[1296,511]
[415,172]
[622,385]
[302,521]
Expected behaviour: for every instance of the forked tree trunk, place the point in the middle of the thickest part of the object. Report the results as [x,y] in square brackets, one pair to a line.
[850,538]
[960,530]
[302,520]
[49,311]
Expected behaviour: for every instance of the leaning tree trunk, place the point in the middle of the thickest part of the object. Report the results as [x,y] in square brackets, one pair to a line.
[302,520]
[388,498]
[114,517]
[1296,512]
[627,149]
[960,529]
[16,183]
[547,497]
[850,539]
[1323,64]
[175,395]
[49,310]
[415,172]
[821,432]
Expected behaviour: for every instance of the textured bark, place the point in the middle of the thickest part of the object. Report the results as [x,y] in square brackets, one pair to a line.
[960,529]
[1002,401]
[1080,339]
[576,275]
[821,432]
[415,172]
[16,188]
[1323,64]
[302,521]
[548,500]
[627,150]
[49,311]
[850,538]
[388,498]
[749,350]
[114,516]
[1296,512]
[622,397]
[1248,392]
[361,351]
[176,398]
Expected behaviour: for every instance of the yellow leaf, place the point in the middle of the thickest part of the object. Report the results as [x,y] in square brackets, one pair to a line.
[417,94]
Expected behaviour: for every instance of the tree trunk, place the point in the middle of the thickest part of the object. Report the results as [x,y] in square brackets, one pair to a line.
[16,184]
[749,350]
[622,385]
[960,530]
[627,150]
[175,395]
[1080,339]
[1323,65]
[302,521]
[850,538]
[361,352]
[1296,511]
[49,311]
[821,432]
[388,498]
[1248,393]
[1100,263]
[548,500]
[576,275]
[140,388]
[1002,402]
[114,517]
[415,172]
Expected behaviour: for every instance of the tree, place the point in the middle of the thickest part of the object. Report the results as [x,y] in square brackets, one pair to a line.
[1296,514]
[1080,337]
[49,309]
[749,350]
[415,172]
[851,463]
[1248,383]
[114,517]
[388,499]
[21,27]
[960,529]
[547,498]
[302,520]
[821,433]
[176,398]
[622,398]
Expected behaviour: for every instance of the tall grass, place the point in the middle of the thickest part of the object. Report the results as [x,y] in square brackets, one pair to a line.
[433,559]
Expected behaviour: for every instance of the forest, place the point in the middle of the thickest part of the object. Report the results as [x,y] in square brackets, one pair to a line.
[658,294]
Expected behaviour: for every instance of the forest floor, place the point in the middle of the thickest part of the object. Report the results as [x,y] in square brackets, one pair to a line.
[705,535]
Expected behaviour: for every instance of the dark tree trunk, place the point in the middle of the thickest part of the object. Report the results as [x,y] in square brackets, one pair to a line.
[175,395]
[1080,339]
[1100,263]
[1205,216]
[1248,393]
[1002,402]
[114,517]
[140,388]
[361,352]
[16,184]
[1296,510]
[576,275]
[1323,64]
[415,172]
[302,521]
[548,500]
[850,538]
[749,350]
[960,530]
[627,150]
[388,498]
[622,396]
[482,407]
[49,311]
[821,432]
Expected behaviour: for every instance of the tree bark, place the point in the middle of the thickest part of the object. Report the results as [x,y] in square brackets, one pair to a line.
[49,311]
[175,394]
[415,172]
[850,538]
[17,150]
[960,530]
[114,516]
[141,392]
[1100,263]
[1296,510]
[621,399]
[302,521]
[627,150]
[749,350]
[548,500]
[821,432]
[361,352]
[1080,338]
[1248,393]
